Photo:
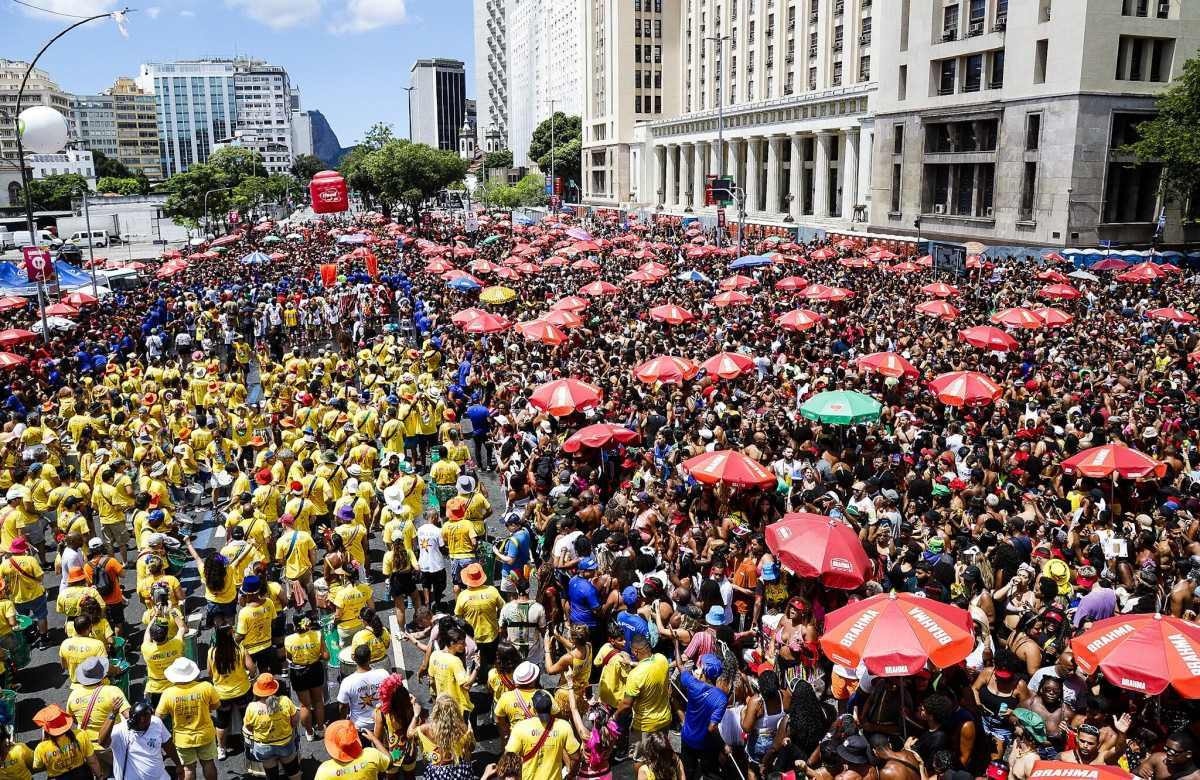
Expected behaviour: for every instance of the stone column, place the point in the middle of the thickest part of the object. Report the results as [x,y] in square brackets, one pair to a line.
[672,181]
[866,154]
[774,173]
[753,170]
[849,169]
[659,178]
[795,176]
[732,155]
[685,174]
[714,158]
[698,172]
[821,174]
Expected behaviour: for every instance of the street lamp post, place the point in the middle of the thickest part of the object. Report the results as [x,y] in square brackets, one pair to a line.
[87,221]
[118,17]
[552,139]
[409,91]
[719,40]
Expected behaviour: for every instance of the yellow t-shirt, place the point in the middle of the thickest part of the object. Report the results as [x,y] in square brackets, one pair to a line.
[233,684]
[548,762]
[24,575]
[18,763]
[225,595]
[77,649]
[299,559]
[254,625]
[303,649]
[371,764]
[267,728]
[354,536]
[516,705]
[350,600]
[59,755]
[158,658]
[648,685]
[68,599]
[449,676]
[612,675]
[8,618]
[458,535]
[108,699]
[379,644]
[190,707]
[481,608]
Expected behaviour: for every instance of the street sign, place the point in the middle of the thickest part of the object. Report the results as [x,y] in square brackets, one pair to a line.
[948,258]
[549,186]
[38,266]
[721,218]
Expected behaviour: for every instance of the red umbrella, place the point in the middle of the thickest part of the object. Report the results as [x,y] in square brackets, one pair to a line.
[504,272]
[728,365]
[654,268]
[14,336]
[940,290]
[438,266]
[1050,275]
[730,467]
[61,310]
[599,435]
[888,364]
[557,261]
[822,254]
[1054,318]
[1109,459]
[737,282]
[563,318]
[896,634]
[572,303]
[482,266]
[586,246]
[798,319]
[1172,314]
[1109,264]
[232,238]
[907,267]
[9,302]
[987,337]
[671,314]
[1143,273]
[486,323]
[565,396]
[879,253]
[925,261]
[819,292]
[542,331]
[667,369]
[644,277]
[586,264]
[791,283]
[1143,653]
[466,315]
[599,288]
[731,298]
[1066,770]
[1018,317]
[854,262]
[819,547]
[1063,291]
[939,309]
[9,360]
[78,299]
[965,388]
[1055,257]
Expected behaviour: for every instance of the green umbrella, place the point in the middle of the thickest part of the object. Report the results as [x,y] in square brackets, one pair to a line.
[841,407]
[490,240]
[272,240]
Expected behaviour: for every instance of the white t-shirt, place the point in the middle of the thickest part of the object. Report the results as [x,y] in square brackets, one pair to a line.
[429,548]
[71,559]
[139,756]
[528,635]
[564,546]
[360,692]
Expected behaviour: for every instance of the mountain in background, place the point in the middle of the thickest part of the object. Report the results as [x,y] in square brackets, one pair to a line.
[326,146]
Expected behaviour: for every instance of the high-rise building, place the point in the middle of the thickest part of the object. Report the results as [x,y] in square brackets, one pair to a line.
[438,102]
[491,69]
[40,89]
[302,133]
[1004,121]
[265,101]
[96,124]
[545,63]
[121,124]
[631,72]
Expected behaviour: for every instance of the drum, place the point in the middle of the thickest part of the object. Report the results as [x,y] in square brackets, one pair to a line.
[118,647]
[118,674]
[346,662]
[189,645]
[333,642]
[222,479]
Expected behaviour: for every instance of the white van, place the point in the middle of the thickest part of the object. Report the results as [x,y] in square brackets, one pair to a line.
[20,238]
[80,238]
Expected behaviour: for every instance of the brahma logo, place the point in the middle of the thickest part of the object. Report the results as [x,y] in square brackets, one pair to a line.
[840,564]
[1139,685]
[1082,773]
[925,621]
[330,196]
[1109,637]
[1187,653]
[858,627]
[889,670]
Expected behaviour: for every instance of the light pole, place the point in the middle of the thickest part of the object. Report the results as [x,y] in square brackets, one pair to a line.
[119,18]
[409,91]
[87,221]
[719,41]
[207,224]
[552,139]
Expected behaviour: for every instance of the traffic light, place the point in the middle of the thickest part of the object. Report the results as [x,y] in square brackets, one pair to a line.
[722,190]
[708,190]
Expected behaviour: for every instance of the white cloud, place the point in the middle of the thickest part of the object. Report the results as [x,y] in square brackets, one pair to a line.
[278,13]
[187,14]
[71,7]
[366,15]
[153,11]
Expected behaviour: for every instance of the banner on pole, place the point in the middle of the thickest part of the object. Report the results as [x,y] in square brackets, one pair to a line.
[38,266]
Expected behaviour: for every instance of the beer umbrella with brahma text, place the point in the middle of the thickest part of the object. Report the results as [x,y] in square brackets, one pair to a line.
[896,634]
[1143,653]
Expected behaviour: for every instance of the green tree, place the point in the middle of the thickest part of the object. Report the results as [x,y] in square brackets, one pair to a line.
[236,163]
[353,170]
[501,158]
[566,132]
[407,174]
[1171,138]
[122,186]
[531,189]
[186,194]
[499,196]
[107,166]
[306,166]
[54,193]
[376,137]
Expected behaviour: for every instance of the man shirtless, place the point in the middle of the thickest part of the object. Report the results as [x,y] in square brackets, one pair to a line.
[1048,702]
[1088,749]
[1173,762]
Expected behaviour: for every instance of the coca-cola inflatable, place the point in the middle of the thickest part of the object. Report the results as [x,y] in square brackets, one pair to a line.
[328,193]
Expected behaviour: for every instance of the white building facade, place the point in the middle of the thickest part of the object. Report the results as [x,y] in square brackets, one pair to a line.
[438,102]
[1003,121]
[491,69]
[59,163]
[264,102]
[545,65]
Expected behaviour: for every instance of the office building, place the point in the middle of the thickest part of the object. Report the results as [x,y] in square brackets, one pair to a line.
[195,105]
[438,102]
[121,124]
[1003,121]
[631,66]
[264,103]
[545,62]
[302,133]
[491,69]
[60,163]
[95,119]
[40,89]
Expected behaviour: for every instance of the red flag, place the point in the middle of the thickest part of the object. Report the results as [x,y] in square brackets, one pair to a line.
[372,264]
[329,274]
[38,266]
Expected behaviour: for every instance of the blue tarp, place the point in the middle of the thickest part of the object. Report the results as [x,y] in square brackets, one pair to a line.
[70,276]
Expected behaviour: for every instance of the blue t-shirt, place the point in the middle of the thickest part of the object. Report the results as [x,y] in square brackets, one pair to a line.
[584,600]
[632,623]
[479,415]
[517,547]
[705,704]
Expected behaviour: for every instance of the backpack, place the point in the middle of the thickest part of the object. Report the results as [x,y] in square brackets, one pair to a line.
[104,584]
[543,470]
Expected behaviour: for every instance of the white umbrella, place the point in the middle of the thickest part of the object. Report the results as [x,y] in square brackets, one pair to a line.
[196,241]
[1086,276]
[55,323]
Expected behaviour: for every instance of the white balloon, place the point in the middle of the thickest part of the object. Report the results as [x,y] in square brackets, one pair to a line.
[42,129]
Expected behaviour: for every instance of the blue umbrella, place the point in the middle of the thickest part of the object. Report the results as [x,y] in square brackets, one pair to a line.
[463,284]
[256,258]
[693,276]
[522,219]
[751,261]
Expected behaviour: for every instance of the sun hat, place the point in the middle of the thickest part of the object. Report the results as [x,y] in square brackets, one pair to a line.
[855,750]
[711,665]
[474,576]
[1060,572]
[715,616]
[54,719]
[182,670]
[1034,724]
[342,741]
[587,564]
[456,509]
[394,497]
[251,585]
[266,685]
[76,574]
[263,477]
[466,484]
[92,670]
[526,673]
[18,546]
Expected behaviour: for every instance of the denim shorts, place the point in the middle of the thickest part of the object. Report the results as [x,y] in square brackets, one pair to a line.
[35,609]
[261,752]
[456,569]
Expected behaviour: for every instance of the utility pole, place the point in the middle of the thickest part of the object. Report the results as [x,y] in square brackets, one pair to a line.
[719,41]
[409,91]
[553,191]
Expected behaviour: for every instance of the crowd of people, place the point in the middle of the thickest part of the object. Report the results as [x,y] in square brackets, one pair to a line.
[587,472]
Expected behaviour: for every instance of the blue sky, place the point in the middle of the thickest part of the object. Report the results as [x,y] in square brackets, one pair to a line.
[350,58]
